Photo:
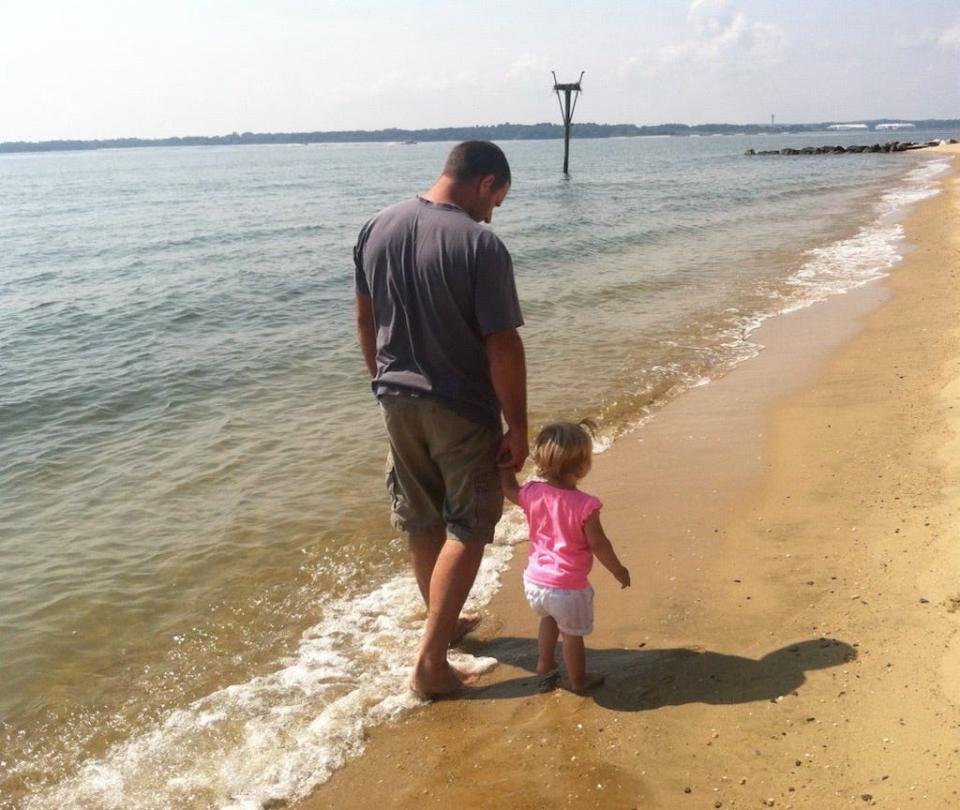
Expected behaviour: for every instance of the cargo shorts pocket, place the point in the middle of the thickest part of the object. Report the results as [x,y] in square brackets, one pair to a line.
[399,509]
[489,503]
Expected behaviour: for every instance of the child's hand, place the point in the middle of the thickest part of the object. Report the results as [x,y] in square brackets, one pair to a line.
[509,484]
[623,577]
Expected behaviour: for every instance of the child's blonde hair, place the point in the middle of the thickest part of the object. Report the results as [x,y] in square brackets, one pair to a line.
[562,449]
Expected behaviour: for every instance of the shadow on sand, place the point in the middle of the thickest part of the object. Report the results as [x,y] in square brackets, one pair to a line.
[641,679]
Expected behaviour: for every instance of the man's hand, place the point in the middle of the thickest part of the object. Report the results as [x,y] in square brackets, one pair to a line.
[508,373]
[513,450]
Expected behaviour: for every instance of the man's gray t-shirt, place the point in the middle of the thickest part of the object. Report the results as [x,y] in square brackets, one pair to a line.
[440,283]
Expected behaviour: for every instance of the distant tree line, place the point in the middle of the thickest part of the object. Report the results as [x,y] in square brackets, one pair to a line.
[497,132]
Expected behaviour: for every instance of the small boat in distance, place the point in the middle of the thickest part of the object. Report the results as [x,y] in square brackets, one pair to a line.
[409,143]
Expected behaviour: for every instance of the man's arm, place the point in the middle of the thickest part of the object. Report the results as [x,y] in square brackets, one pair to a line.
[366,332]
[508,372]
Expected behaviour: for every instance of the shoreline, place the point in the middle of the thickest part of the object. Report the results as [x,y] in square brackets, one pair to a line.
[716,490]
[304,658]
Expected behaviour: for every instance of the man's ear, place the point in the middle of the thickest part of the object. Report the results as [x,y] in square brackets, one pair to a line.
[486,183]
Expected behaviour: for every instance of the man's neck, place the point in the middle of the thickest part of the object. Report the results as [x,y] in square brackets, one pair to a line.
[445,190]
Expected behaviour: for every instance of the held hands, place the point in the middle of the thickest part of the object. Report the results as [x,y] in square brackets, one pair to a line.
[513,450]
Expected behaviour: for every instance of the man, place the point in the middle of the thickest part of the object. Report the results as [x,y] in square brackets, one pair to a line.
[437,318]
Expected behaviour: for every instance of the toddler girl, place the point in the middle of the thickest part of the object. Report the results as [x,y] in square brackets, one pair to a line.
[565,536]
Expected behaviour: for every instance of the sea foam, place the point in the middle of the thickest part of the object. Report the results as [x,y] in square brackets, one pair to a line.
[279,735]
[870,253]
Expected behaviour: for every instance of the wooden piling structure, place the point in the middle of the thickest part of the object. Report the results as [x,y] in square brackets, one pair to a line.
[569,91]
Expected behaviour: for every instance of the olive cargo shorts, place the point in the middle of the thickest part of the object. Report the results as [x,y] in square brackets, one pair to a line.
[441,470]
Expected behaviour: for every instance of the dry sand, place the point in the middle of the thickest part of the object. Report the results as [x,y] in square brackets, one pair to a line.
[791,636]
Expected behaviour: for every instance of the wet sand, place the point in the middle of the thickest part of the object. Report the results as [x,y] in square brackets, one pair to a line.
[790,639]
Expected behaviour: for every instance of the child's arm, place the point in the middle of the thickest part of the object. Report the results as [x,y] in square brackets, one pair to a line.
[602,549]
[510,485]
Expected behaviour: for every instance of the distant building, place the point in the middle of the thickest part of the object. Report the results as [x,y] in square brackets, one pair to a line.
[848,126]
[895,125]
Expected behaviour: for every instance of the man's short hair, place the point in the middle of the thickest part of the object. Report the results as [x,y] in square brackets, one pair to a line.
[472,159]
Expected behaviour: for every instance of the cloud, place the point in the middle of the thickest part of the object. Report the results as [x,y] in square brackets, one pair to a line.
[721,38]
[407,84]
[950,38]
[528,66]
[915,39]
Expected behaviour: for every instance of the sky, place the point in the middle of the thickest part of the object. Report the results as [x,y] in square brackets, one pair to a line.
[138,68]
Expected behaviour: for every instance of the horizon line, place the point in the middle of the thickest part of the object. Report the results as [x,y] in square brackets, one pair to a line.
[425,132]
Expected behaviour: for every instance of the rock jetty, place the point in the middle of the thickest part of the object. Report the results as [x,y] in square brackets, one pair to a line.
[889,146]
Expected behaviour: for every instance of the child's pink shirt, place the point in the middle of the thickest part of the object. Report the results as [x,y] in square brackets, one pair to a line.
[559,556]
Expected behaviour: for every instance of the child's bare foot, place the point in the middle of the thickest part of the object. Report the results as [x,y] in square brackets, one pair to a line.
[467,623]
[591,680]
[548,680]
[431,682]
[543,667]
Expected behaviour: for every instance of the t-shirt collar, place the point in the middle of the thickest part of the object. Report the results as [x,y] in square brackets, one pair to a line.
[443,205]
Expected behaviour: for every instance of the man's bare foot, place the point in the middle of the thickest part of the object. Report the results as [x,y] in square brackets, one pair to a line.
[467,623]
[591,680]
[432,682]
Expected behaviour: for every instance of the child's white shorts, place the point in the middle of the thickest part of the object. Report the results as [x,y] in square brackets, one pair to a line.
[571,608]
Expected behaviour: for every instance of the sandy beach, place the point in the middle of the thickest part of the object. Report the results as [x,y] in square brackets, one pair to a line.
[790,639]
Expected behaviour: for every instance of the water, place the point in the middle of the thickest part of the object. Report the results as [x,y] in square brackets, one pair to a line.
[202,603]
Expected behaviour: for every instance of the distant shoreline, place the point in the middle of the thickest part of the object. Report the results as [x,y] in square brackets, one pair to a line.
[497,132]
